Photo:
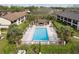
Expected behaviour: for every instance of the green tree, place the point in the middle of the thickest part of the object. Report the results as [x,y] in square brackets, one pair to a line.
[14,34]
[30,17]
[66,33]
[16,8]
[3,8]
[49,17]
[31,8]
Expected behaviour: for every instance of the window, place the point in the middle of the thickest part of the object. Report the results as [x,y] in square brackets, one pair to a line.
[0,24]
[75,21]
[65,18]
[58,16]
[75,26]
[61,17]
[22,17]
[69,20]
[11,21]
[58,19]
[14,20]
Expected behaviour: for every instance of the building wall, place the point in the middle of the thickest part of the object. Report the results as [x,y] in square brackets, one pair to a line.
[66,20]
[78,26]
[4,23]
[20,20]
[4,26]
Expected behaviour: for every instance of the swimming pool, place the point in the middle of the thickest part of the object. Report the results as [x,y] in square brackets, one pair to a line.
[40,34]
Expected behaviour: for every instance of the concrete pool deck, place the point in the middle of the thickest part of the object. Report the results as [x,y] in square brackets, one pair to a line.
[27,37]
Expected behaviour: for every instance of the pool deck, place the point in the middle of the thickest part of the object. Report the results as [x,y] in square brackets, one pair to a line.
[27,37]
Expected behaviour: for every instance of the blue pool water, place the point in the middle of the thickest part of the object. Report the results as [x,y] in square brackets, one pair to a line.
[40,34]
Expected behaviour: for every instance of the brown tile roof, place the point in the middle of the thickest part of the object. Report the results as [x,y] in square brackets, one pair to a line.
[14,16]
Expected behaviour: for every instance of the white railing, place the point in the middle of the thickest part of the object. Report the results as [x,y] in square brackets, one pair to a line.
[41,42]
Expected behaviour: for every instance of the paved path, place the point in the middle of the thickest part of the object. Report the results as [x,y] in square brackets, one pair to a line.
[27,37]
[76,37]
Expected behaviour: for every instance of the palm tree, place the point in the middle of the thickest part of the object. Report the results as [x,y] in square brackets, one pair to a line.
[68,33]
[65,34]
[60,32]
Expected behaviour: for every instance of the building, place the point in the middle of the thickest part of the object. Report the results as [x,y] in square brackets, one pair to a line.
[15,17]
[2,13]
[41,22]
[69,18]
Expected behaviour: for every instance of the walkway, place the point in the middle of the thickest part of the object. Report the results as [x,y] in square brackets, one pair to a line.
[27,37]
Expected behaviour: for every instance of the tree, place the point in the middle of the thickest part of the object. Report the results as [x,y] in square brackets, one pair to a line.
[31,8]
[61,32]
[3,8]
[14,34]
[30,17]
[66,33]
[16,8]
[49,17]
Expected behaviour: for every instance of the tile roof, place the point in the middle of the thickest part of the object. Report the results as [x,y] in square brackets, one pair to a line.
[71,15]
[14,16]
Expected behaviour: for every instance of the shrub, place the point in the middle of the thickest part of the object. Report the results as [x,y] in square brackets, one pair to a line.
[10,49]
[59,49]
[30,48]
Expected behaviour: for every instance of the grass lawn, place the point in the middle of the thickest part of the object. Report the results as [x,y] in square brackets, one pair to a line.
[60,24]
[75,42]
[47,49]
[57,49]
[23,25]
[6,48]
[3,44]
